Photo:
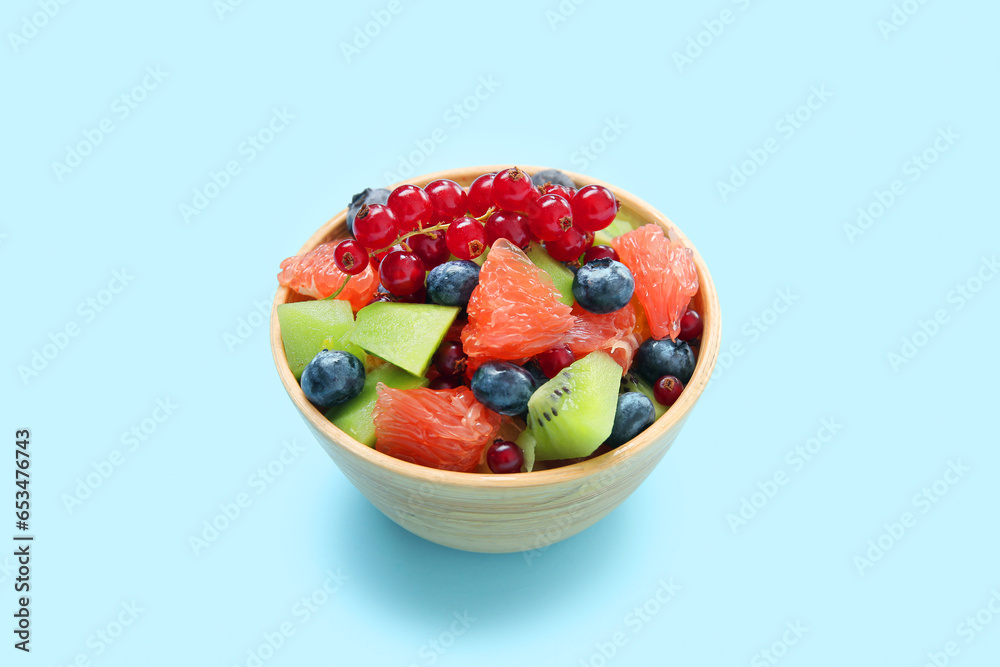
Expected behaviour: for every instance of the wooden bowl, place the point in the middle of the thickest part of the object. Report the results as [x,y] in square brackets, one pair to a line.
[515,512]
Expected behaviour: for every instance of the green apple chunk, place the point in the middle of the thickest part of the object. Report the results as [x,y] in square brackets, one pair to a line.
[404,334]
[355,416]
[561,276]
[310,326]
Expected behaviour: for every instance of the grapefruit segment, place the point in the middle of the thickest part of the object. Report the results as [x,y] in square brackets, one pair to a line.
[446,429]
[316,274]
[515,311]
[612,332]
[665,276]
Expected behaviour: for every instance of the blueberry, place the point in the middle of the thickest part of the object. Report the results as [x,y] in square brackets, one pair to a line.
[451,283]
[633,415]
[366,196]
[332,378]
[533,367]
[603,286]
[553,176]
[503,387]
[656,358]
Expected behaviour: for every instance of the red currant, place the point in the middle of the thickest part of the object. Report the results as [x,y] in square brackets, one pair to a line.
[594,208]
[448,199]
[561,190]
[466,238]
[667,390]
[420,296]
[444,382]
[480,198]
[350,256]
[450,359]
[569,246]
[551,218]
[431,248]
[600,252]
[554,360]
[412,207]
[691,325]
[508,225]
[377,258]
[504,457]
[375,226]
[513,190]
[401,272]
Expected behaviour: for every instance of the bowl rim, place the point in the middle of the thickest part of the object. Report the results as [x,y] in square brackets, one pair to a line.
[677,414]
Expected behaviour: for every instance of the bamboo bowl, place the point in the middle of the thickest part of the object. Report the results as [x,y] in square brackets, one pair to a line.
[514,512]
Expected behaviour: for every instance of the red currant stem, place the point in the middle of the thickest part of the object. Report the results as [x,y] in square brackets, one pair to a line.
[339,289]
[400,239]
[485,216]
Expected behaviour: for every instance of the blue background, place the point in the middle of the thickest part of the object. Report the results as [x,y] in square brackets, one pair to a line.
[184,327]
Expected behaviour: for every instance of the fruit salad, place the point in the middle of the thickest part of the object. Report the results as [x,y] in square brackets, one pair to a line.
[519,324]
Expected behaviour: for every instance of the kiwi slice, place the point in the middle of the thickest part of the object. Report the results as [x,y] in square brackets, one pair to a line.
[632,382]
[404,334]
[561,276]
[623,223]
[310,326]
[355,416]
[573,413]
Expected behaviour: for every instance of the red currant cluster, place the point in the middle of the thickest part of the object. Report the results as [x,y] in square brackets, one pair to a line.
[420,228]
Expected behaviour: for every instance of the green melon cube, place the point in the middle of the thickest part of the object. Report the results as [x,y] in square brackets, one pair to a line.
[355,416]
[404,334]
[310,326]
